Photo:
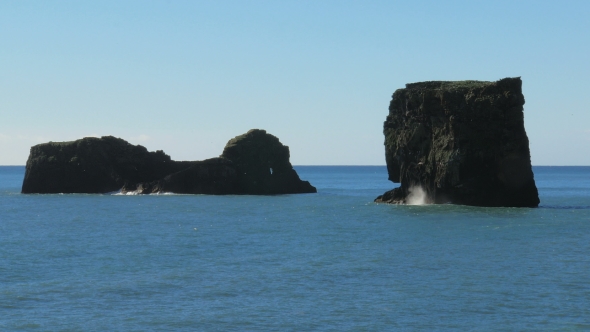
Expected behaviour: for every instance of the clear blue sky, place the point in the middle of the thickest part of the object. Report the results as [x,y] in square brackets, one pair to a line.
[186,76]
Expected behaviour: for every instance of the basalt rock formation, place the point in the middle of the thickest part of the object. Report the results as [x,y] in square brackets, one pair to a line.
[93,165]
[459,142]
[253,163]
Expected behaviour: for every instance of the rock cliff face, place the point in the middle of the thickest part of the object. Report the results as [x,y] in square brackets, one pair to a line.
[262,164]
[459,142]
[253,163]
[93,165]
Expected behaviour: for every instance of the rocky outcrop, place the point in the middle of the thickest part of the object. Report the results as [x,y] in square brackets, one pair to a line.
[93,165]
[253,163]
[215,176]
[459,142]
[262,164]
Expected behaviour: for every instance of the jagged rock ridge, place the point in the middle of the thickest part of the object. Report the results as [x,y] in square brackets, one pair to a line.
[460,142]
[253,163]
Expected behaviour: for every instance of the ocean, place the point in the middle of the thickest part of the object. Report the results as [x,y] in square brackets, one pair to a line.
[331,261]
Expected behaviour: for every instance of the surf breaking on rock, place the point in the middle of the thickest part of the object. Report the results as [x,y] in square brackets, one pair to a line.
[460,142]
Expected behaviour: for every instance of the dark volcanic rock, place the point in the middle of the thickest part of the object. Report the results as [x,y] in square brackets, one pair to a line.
[93,165]
[215,176]
[101,165]
[253,163]
[460,142]
[262,165]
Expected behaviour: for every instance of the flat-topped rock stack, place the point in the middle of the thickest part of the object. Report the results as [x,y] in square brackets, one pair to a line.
[459,142]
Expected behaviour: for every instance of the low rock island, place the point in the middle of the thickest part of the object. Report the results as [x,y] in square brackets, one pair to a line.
[253,163]
[459,142]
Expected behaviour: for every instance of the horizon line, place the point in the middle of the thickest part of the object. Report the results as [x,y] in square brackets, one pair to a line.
[351,165]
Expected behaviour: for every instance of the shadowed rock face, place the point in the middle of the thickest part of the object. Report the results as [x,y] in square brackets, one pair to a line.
[262,164]
[215,176]
[93,165]
[106,164]
[460,142]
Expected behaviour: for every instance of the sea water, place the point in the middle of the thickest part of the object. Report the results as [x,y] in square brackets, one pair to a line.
[331,261]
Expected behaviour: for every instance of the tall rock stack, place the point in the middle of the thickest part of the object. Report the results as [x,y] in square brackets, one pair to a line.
[460,142]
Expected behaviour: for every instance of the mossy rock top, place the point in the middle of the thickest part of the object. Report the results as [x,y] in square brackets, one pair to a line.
[455,85]
[462,142]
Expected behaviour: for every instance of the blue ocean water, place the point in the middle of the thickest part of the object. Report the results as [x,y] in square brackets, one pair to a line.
[330,261]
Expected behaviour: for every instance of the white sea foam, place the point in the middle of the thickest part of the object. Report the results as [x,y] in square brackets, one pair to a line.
[417,196]
[128,193]
[137,192]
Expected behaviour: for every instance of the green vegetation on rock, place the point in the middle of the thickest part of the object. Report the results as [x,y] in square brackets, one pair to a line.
[461,142]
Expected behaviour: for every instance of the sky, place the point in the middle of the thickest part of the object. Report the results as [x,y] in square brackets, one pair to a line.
[187,76]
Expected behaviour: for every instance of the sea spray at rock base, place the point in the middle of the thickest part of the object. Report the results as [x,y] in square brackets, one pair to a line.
[417,196]
[461,142]
[108,164]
